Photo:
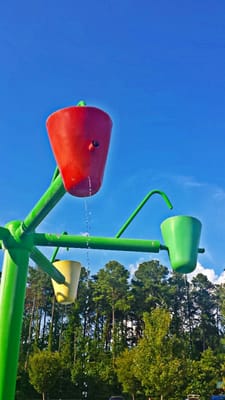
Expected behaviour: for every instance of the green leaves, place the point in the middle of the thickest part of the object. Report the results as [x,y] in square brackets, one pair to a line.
[204,374]
[45,369]
[157,367]
[146,334]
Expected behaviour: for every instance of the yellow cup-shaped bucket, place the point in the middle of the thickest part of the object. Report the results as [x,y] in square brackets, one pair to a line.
[66,293]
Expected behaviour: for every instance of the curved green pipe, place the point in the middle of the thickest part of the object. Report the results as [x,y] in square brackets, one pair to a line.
[136,211]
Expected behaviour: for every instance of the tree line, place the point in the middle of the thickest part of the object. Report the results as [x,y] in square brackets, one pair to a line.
[151,335]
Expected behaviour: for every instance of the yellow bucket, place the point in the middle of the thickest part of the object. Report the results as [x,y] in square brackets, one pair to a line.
[66,293]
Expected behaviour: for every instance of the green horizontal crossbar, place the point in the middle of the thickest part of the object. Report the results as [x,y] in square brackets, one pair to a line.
[93,242]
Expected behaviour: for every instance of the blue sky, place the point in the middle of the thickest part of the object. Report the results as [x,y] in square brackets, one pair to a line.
[158,69]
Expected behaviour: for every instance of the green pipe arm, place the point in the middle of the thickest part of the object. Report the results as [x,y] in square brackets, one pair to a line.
[46,265]
[48,239]
[136,211]
[94,242]
[4,235]
[55,174]
[49,199]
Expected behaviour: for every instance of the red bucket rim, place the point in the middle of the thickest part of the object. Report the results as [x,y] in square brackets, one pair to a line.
[80,108]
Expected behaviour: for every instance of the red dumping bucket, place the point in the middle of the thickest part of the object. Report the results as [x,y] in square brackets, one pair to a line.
[79,138]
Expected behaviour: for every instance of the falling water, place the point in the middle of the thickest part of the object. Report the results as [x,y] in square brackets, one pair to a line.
[88,229]
[89,186]
[88,219]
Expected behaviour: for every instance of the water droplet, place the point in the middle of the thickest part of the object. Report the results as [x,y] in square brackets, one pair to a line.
[89,186]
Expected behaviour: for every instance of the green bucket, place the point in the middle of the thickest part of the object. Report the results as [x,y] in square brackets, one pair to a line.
[181,235]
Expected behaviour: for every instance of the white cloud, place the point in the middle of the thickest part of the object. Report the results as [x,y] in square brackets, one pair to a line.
[209,272]
[221,278]
[134,267]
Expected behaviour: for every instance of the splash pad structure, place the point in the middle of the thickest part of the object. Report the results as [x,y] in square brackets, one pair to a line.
[79,138]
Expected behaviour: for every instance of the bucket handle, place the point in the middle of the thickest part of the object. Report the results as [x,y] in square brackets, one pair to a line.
[142,203]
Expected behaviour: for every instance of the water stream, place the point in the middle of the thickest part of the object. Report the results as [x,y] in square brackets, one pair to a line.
[87,214]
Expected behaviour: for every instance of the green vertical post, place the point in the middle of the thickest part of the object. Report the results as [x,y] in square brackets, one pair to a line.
[12,295]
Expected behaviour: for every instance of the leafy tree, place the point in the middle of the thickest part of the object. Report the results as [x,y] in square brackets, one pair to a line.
[24,389]
[178,299]
[220,307]
[203,374]
[126,372]
[150,285]
[205,330]
[37,311]
[181,308]
[159,371]
[111,295]
[150,290]
[45,370]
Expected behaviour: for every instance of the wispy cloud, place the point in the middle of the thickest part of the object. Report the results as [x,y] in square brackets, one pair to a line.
[219,194]
[216,192]
[191,182]
[188,181]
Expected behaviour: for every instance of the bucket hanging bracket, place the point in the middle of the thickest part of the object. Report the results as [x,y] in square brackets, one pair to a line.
[139,207]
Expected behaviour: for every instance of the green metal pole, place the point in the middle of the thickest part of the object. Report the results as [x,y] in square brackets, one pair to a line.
[96,242]
[4,233]
[93,242]
[49,199]
[12,295]
[46,265]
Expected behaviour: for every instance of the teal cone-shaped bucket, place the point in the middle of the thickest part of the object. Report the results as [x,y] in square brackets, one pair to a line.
[181,234]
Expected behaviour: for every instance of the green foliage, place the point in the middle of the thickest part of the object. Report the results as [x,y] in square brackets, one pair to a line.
[204,374]
[205,304]
[150,285]
[153,335]
[160,372]
[24,389]
[125,368]
[45,370]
